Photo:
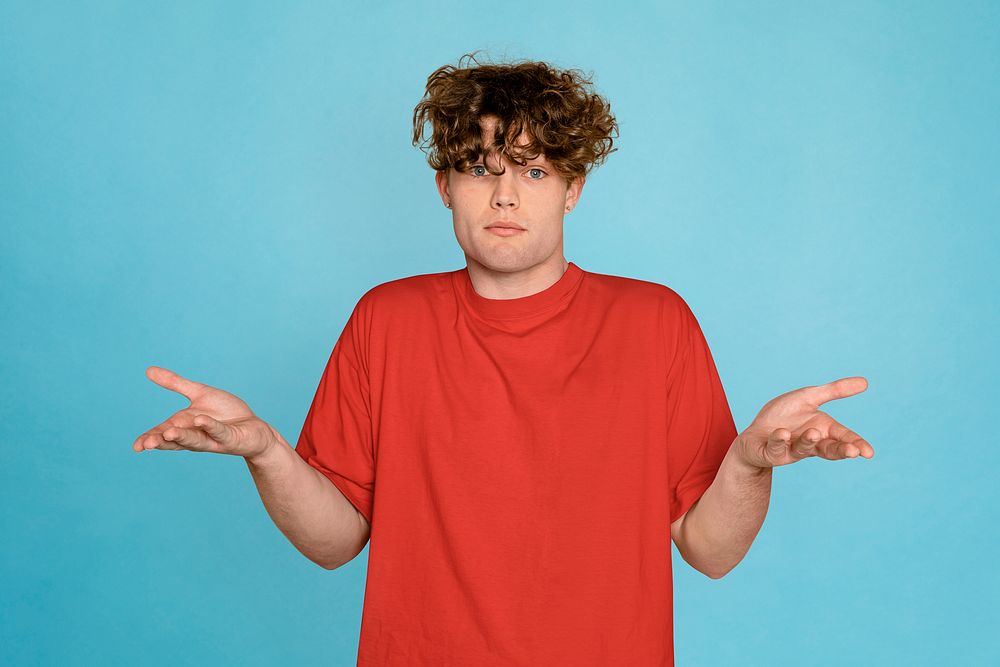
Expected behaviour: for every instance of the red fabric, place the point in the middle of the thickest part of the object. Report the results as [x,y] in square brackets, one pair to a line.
[520,462]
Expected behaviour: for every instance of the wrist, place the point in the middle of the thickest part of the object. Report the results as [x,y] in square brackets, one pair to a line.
[273,450]
[741,462]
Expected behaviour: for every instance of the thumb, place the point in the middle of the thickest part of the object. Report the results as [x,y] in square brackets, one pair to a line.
[170,380]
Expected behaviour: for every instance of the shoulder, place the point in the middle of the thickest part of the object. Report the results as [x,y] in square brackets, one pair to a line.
[645,293]
[403,294]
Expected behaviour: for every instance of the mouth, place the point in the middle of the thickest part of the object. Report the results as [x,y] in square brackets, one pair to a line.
[504,231]
[505,224]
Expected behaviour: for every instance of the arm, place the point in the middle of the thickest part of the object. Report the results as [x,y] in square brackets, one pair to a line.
[307,507]
[717,531]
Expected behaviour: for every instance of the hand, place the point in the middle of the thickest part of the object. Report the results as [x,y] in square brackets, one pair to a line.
[790,428]
[215,421]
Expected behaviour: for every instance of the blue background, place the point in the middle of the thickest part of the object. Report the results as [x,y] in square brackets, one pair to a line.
[211,187]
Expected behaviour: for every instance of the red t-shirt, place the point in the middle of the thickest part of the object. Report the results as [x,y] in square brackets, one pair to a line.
[520,462]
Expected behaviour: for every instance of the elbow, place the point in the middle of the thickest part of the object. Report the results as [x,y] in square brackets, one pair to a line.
[330,566]
[328,561]
[342,559]
[710,571]
[344,556]
[326,564]
[711,568]
[716,574]
[333,564]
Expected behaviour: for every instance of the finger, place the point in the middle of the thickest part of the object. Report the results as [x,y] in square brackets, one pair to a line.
[844,434]
[865,448]
[860,447]
[137,443]
[847,450]
[805,444]
[835,449]
[190,438]
[153,440]
[222,433]
[174,382]
[157,442]
[841,388]
[776,449]
[154,431]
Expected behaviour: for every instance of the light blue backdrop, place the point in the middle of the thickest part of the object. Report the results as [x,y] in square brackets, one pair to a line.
[211,187]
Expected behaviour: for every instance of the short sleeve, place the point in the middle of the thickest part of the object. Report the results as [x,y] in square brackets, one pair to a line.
[336,437]
[700,427]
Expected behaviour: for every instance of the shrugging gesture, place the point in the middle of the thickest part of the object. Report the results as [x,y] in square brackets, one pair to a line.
[791,427]
[215,421]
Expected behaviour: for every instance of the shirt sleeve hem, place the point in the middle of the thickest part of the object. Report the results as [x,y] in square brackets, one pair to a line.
[344,488]
[688,493]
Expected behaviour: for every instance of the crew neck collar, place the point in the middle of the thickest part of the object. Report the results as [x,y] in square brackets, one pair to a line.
[525,306]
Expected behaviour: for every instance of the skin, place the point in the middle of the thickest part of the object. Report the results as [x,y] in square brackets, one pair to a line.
[791,427]
[535,197]
[214,421]
[717,530]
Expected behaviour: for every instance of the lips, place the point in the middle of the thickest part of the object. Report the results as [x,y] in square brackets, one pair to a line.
[503,224]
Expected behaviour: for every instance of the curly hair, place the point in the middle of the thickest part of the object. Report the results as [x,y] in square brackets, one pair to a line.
[562,116]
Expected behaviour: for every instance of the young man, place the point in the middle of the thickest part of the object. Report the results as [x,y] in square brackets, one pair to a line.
[520,438]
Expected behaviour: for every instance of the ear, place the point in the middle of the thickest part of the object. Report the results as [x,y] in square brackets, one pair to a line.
[441,181]
[573,192]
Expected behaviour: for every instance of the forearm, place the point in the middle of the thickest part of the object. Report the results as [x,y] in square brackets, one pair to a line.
[720,527]
[306,506]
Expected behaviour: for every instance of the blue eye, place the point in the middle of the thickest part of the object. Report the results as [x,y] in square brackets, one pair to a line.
[473,168]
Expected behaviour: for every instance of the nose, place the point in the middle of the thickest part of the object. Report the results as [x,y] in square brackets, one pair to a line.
[505,191]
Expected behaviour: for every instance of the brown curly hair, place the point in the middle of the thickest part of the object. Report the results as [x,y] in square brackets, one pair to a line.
[564,119]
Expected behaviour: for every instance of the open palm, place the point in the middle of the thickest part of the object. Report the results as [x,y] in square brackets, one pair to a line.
[215,421]
[791,427]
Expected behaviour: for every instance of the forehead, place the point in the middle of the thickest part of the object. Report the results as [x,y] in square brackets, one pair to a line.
[488,123]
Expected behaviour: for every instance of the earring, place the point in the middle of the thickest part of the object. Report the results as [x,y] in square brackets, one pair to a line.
[448,204]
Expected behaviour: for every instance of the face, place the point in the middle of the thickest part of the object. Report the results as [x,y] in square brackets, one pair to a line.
[534,197]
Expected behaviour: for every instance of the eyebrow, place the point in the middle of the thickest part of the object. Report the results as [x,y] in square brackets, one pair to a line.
[536,161]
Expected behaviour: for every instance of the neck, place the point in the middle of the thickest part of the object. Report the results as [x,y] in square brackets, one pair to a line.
[498,284]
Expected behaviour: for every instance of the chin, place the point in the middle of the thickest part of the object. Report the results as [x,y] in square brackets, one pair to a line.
[506,257]
[506,264]
[508,261]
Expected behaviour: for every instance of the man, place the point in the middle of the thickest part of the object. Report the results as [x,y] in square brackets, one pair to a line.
[520,439]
